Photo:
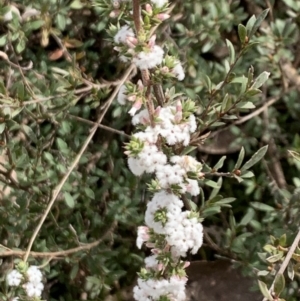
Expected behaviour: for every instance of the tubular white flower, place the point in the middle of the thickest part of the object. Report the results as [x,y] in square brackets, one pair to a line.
[178,71]
[148,60]
[124,32]
[14,278]
[34,274]
[33,289]
[121,98]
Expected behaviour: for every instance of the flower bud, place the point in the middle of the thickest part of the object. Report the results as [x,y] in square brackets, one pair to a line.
[162,16]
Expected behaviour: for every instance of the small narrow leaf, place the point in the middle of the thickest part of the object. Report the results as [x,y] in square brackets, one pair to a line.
[69,199]
[262,207]
[279,284]
[29,133]
[2,127]
[220,163]
[275,258]
[255,158]
[240,158]
[216,187]
[258,21]
[260,80]
[246,105]
[231,51]
[242,31]
[264,290]
[250,24]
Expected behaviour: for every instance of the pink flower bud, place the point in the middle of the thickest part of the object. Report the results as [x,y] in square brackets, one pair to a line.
[186,264]
[149,9]
[114,14]
[131,42]
[178,106]
[140,85]
[136,106]
[164,69]
[162,16]
[157,111]
[151,42]
[132,97]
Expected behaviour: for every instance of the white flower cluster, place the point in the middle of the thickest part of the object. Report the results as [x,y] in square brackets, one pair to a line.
[32,281]
[181,232]
[169,231]
[152,289]
[151,56]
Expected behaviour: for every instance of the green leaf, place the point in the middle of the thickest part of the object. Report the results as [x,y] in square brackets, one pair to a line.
[255,158]
[242,31]
[210,211]
[260,80]
[61,21]
[220,163]
[275,258]
[76,4]
[264,290]
[247,175]
[3,40]
[240,159]
[246,105]
[261,207]
[279,284]
[250,24]
[225,201]
[61,144]
[74,271]
[248,217]
[29,133]
[2,127]
[89,192]
[231,51]
[290,270]
[216,187]
[21,45]
[257,22]
[69,199]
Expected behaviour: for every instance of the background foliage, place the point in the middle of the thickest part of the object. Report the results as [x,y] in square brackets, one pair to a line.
[46,112]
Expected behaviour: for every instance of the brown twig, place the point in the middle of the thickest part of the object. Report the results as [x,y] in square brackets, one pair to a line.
[61,253]
[107,128]
[60,185]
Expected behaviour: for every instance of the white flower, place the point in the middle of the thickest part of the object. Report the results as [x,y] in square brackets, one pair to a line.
[15,299]
[153,289]
[178,71]
[34,274]
[14,278]
[143,235]
[135,166]
[159,3]
[148,60]
[124,32]
[121,98]
[33,289]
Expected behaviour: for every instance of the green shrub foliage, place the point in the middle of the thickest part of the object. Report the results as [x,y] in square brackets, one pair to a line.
[59,75]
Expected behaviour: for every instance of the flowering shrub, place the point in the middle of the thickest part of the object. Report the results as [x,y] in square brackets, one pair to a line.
[184,75]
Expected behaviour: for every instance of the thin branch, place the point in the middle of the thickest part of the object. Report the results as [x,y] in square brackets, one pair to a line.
[107,128]
[82,247]
[286,261]
[60,185]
